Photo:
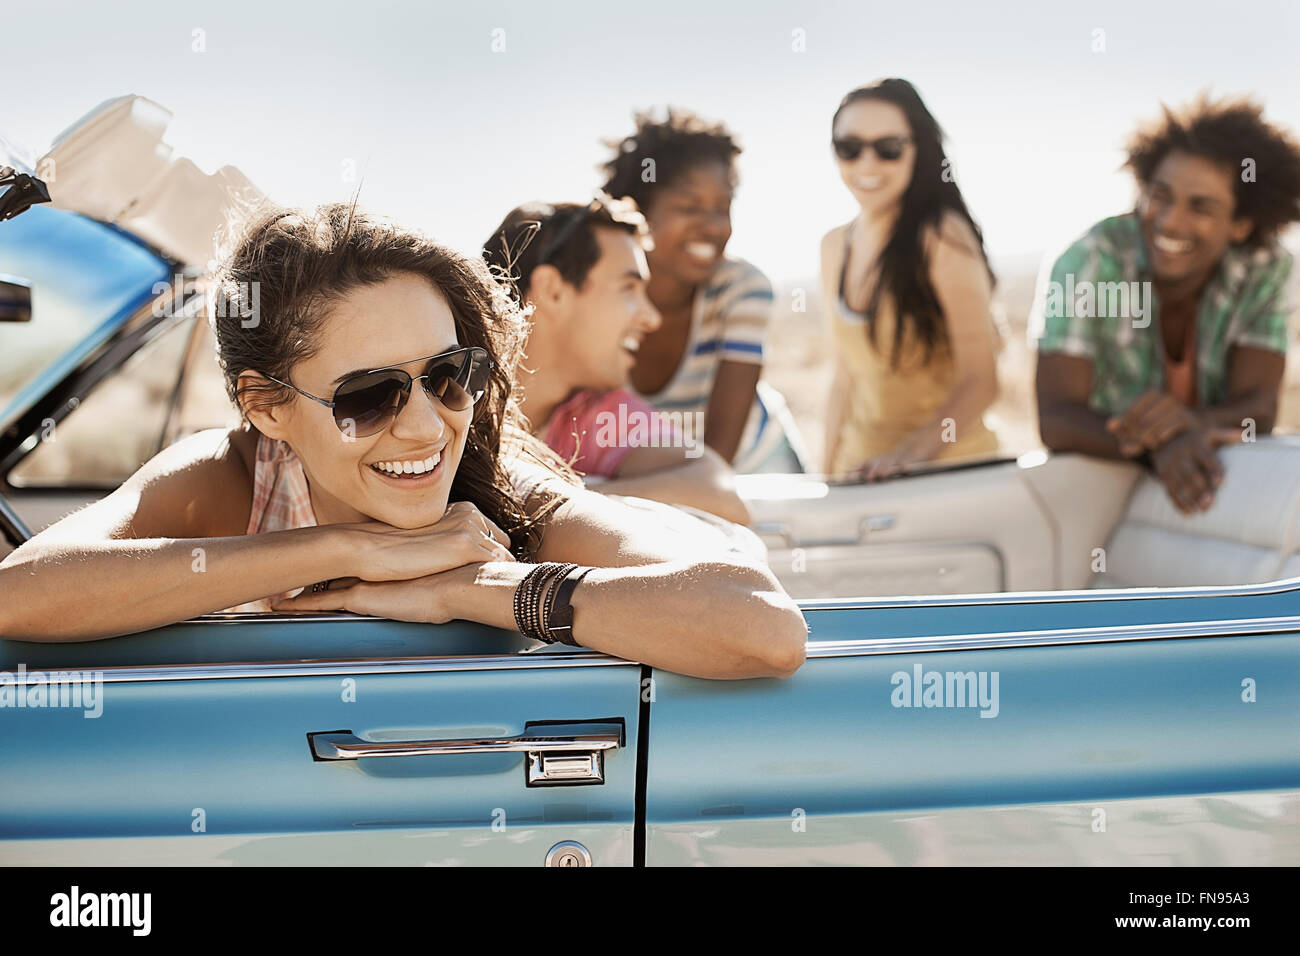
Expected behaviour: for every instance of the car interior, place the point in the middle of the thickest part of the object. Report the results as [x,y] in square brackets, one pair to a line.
[1042,522]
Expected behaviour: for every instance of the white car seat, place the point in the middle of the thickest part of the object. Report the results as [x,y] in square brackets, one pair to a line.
[1249,535]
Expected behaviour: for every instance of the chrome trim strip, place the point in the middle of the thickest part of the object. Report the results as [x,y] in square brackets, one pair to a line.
[1078,635]
[864,647]
[1285,585]
[375,665]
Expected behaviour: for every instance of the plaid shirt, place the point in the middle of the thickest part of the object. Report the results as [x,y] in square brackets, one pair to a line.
[1244,303]
[281,500]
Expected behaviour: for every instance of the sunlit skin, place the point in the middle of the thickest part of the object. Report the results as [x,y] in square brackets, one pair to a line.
[396,552]
[877,184]
[364,335]
[690,222]
[691,213]
[1189,221]
[586,337]
[589,338]
[957,273]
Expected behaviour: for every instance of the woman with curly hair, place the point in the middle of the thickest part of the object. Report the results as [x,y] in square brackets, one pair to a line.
[1192,354]
[381,467]
[707,356]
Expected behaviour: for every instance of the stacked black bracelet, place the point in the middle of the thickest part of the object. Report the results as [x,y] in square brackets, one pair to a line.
[542,605]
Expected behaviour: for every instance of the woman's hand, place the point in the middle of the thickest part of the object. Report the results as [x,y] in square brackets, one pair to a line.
[432,599]
[464,535]
[893,462]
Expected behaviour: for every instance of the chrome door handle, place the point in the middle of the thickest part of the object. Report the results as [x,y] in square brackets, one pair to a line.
[350,747]
[552,760]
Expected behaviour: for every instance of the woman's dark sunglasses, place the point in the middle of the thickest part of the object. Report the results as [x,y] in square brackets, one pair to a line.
[366,403]
[888,148]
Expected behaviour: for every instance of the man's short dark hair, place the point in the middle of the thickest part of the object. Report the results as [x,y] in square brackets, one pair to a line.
[678,142]
[562,235]
[1229,132]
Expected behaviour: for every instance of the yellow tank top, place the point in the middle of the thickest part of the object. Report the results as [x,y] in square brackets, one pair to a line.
[886,403]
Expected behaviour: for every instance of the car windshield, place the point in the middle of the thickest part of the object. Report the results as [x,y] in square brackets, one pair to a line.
[85,279]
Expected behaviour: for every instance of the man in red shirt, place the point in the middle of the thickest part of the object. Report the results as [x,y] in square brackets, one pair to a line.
[582,271]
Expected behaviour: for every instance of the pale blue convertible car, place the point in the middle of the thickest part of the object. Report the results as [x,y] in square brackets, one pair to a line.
[1093,679]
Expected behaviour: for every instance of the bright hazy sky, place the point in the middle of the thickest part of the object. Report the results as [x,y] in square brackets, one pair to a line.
[449,134]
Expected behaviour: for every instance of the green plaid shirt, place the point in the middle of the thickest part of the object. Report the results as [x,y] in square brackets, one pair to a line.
[1244,303]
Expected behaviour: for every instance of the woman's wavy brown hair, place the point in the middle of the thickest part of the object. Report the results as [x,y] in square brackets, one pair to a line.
[272,296]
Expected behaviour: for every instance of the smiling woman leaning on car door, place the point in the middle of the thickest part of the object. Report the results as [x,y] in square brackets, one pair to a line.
[327,324]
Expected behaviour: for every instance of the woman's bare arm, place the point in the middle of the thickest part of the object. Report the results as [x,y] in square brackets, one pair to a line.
[668,475]
[708,616]
[837,399]
[169,544]
[651,598]
[729,406]
[837,408]
[111,587]
[165,546]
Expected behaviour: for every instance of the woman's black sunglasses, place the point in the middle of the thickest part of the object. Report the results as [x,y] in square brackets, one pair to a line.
[888,148]
[366,403]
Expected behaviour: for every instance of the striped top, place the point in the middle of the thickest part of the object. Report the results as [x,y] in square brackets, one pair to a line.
[729,320]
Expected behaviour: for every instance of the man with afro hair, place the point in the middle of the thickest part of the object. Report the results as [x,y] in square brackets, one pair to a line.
[1163,332]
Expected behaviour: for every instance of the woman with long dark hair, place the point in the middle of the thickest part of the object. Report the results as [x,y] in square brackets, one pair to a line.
[381,466]
[907,286]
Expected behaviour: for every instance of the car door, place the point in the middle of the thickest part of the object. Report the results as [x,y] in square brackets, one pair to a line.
[1123,728]
[316,740]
